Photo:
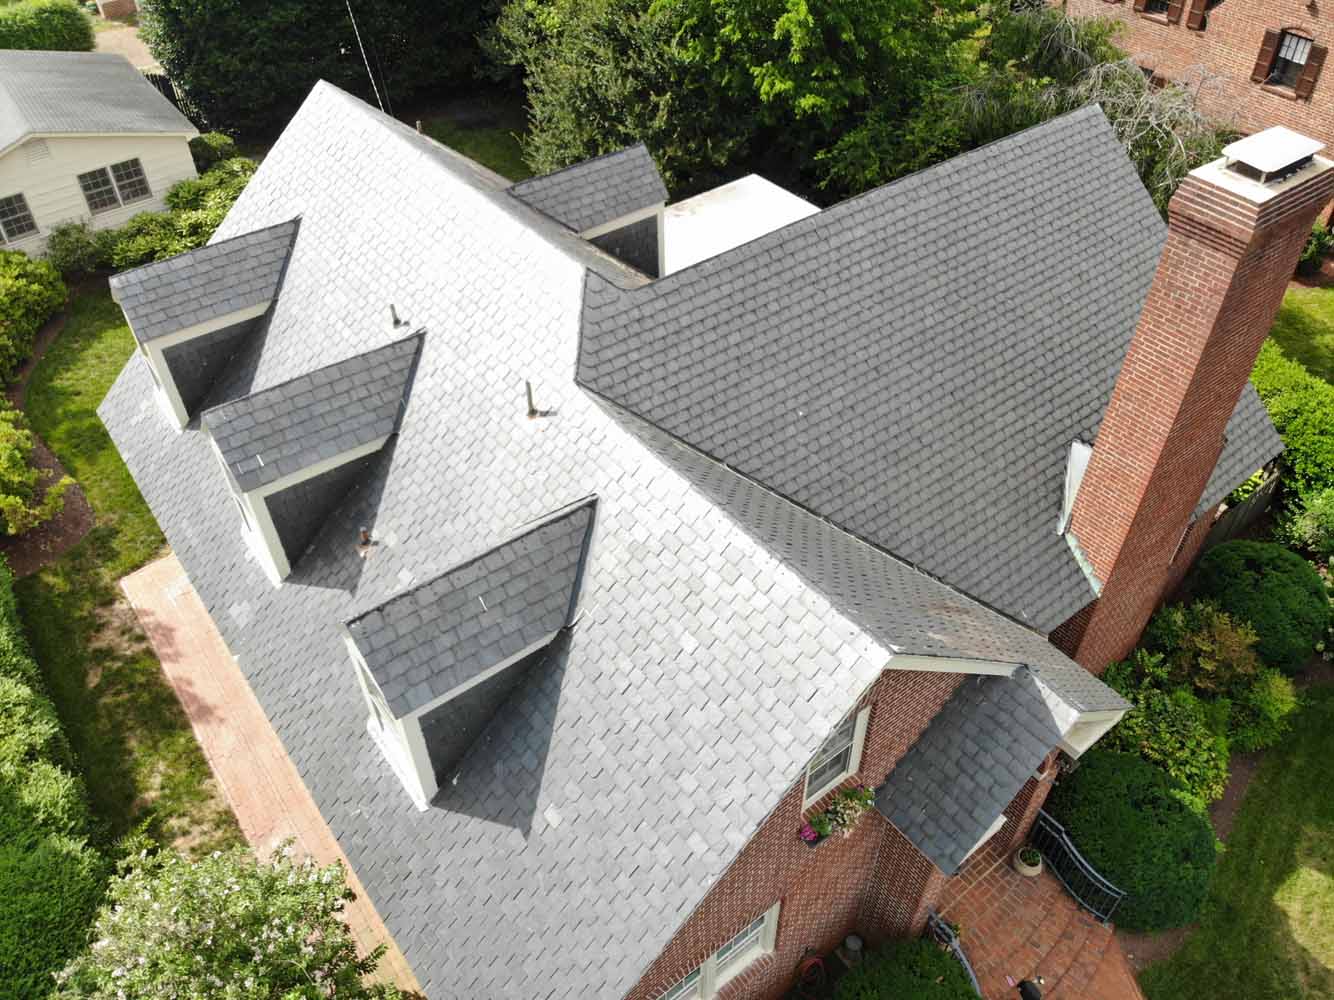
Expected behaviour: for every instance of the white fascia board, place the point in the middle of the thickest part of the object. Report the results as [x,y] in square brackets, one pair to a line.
[485,675]
[97,135]
[318,469]
[209,326]
[360,661]
[264,538]
[1067,718]
[602,229]
[952,665]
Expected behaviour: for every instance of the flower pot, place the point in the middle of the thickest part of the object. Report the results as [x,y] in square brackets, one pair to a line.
[1025,869]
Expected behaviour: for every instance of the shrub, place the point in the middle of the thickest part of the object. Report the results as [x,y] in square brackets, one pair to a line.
[1142,831]
[30,293]
[1247,489]
[1311,526]
[75,248]
[277,924]
[1275,590]
[29,728]
[907,970]
[47,900]
[1170,728]
[1203,647]
[1261,714]
[16,661]
[1302,409]
[24,501]
[211,147]
[45,24]
[1318,244]
[38,799]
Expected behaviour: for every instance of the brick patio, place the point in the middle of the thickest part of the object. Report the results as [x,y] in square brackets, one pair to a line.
[1022,927]
[267,795]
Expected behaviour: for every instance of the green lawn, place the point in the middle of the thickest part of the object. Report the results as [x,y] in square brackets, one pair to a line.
[1267,932]
[486,128]
[1305,329]
[132,738]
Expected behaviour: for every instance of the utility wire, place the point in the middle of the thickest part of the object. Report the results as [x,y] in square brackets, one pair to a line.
[357,31]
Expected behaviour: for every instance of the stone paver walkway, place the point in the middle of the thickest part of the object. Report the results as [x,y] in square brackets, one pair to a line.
[1022,927]
[261,784]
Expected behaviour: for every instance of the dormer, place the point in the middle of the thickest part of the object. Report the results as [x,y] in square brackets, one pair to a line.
[293,451]
[616,202]
[190,314]
[437,662]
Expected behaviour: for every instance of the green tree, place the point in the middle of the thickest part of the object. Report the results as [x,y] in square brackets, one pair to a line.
[45,24]
[224,926]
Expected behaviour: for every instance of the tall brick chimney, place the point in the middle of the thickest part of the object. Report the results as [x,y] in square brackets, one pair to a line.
[1236,228]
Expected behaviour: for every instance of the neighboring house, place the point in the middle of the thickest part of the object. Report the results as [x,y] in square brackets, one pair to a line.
[83,137]
[1264,59]
[570,590]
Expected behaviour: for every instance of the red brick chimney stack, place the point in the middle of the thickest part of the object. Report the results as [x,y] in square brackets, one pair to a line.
[1236,228]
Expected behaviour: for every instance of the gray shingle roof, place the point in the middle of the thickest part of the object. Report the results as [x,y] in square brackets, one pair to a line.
[596,191]
[205,284]
[298,423]
[1251,442]
[972,760]
[443,633]
[79,92]
[844,363]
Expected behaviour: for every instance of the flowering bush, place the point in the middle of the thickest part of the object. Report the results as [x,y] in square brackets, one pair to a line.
[841,816]
[225,926]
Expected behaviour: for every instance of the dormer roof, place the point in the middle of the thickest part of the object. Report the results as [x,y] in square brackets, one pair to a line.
[596,191]
[314,417]
[448,632]
[212,282]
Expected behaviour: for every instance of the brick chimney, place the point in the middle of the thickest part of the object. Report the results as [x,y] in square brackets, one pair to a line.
[1236,227]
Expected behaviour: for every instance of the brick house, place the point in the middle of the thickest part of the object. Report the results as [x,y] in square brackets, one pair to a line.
[1266,56]
[572,578]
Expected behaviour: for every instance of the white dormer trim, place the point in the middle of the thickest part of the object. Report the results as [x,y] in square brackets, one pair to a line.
[153,351]
[1079,729]
[658,211]
[952,665]
[1076,464]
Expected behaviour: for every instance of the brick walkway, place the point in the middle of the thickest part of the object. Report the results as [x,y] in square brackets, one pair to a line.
[266,793]
[1021,927]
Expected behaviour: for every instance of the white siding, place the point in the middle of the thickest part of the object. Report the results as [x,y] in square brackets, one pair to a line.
[50,182]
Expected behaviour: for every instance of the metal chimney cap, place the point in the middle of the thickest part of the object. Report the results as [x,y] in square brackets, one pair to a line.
[1273,150]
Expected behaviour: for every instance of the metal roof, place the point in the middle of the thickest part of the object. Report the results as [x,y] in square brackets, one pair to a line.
[80,93]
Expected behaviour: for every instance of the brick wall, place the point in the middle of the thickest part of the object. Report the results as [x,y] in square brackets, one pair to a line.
[874,881]
[1228,47]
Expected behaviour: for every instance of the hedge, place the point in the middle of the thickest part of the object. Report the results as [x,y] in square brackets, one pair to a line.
[907,970]
[1302,409]
[30,293]
[1276,590]
[1142,831]
[45,25]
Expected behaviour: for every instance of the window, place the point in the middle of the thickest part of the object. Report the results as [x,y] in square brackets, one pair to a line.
[1293,51]
[1155,7]
[16,220]
[108,188]
[755,939]
[838,757]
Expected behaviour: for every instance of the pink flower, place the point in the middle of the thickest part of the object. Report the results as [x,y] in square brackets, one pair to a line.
[808,834]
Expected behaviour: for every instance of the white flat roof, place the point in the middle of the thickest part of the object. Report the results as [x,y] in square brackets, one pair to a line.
[1273,149]
[716,221]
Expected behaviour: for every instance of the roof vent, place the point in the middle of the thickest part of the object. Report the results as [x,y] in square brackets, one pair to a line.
[1271,156]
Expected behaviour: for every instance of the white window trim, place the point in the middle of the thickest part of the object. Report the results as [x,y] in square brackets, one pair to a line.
[710,982]
[110,175]
[809,797]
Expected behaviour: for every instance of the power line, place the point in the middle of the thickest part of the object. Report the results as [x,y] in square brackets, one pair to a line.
[357,31]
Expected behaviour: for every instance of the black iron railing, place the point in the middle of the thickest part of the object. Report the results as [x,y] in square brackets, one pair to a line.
[945,934]
[1091,890]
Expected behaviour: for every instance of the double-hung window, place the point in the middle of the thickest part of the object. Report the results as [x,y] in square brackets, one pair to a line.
[16,219]
[1155,7]
[838,757]
[1290,60]
[703,982]
[107,188]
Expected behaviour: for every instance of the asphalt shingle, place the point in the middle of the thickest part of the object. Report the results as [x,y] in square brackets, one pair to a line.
[293,425]
[80,93]
[970,763]
[447,631]
[596,191]
[205,284]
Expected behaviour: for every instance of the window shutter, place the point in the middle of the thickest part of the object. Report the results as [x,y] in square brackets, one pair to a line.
[1311,71]
[1195,18]
[1174,11]
[1265,61]
[1140,5]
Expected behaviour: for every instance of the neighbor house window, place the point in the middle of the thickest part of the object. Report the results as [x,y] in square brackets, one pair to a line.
[110,187]
[839,756]
[16,220]
[755,939]
[1155,7]
[1293,51]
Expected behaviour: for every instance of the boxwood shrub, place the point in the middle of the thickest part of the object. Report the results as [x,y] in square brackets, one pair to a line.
[1302,408]
[30,293]
[45,24]
[1276,590]
[1144,832]
[907,970]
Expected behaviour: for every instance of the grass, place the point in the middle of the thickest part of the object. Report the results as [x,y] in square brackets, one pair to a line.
[1305,329]
[485,127]
[1267,930]
[133,740]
